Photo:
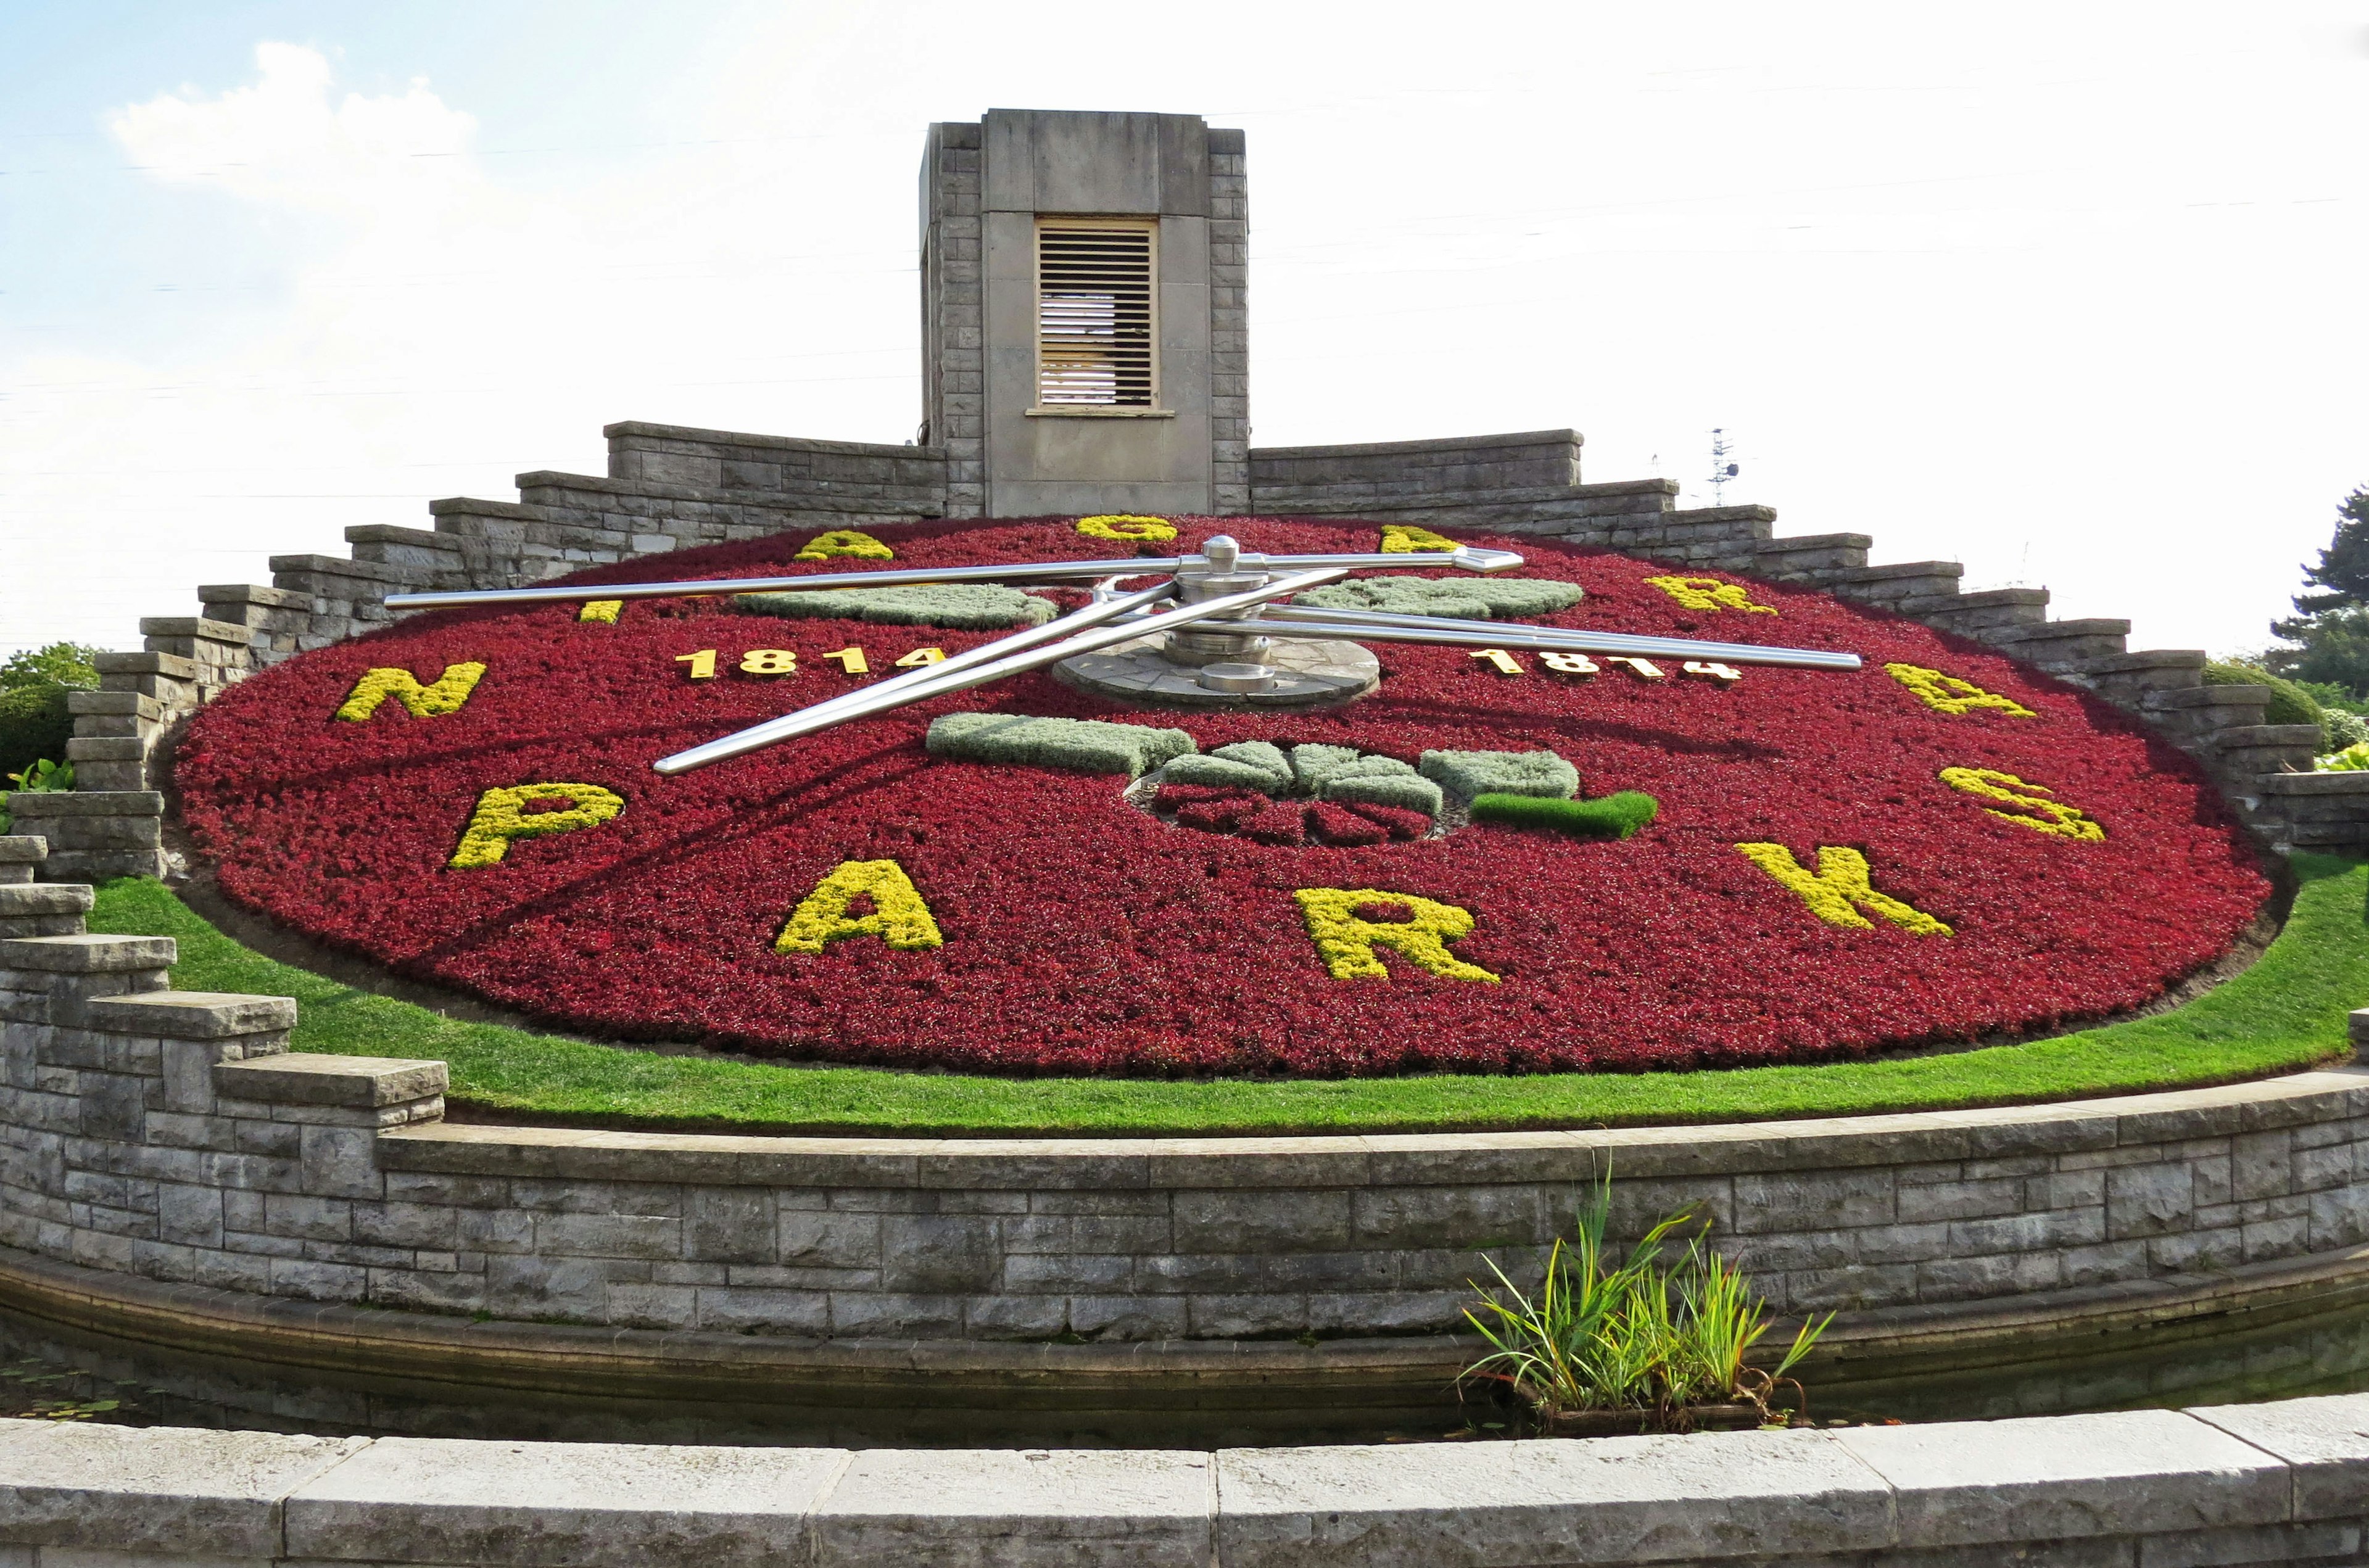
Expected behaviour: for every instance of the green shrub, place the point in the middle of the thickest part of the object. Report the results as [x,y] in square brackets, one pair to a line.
[2289,703]
[1224,772]
[957,607]
[1611,817]
[1083,745]
[60,664]
[1267,759]
[1311,765]
[34,724]
[1474,774]
[1405,789]
[1471,599]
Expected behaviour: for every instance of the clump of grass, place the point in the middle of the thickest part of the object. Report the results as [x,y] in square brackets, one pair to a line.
[1657,1339]
[1611,817]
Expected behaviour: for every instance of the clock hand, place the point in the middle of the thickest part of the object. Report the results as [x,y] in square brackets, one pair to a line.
[937,682]
[1382,626]
[790,726]
[1468,557]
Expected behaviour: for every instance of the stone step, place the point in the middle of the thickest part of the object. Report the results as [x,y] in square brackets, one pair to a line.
[19,855]
[218,644]
[1815,558]
[410,549]
[1889,585]
[194,1014]
[2126,678]
[1975,614]
[2064,646]
[167,676]
[114,704]
[88,954]
[169,665]
[42,909]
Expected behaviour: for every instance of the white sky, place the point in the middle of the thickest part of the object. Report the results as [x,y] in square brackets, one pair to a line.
[2070,294]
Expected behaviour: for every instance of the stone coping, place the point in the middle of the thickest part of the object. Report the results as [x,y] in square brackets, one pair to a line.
[1369,1159]
[2223,1484]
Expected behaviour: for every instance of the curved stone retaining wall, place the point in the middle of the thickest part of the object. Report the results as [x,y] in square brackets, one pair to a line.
[170,1135]
[2225,1485]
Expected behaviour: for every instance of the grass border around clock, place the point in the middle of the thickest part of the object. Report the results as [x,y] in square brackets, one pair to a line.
[2288,1011]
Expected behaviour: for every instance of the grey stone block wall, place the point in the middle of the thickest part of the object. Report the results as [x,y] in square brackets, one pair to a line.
[149,1132]
[2225,1485]
[1229,353]
[954,314]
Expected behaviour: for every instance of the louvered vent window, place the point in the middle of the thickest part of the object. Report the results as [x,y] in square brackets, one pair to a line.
[1093,316]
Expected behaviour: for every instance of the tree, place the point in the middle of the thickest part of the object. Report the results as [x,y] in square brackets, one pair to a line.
[2331,626]
[60,664]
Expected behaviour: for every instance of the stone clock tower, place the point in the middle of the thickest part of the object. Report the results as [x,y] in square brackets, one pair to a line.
[1082,329]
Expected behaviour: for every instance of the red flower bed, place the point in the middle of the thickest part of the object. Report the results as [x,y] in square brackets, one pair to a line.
[1082,935]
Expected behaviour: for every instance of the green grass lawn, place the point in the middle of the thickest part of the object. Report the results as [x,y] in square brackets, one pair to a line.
[2286,1012]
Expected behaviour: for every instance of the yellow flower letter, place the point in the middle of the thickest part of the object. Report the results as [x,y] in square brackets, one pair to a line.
[603,610]
[503,815]
[1840,883]
[844,542]
[1709,593]
[2040,814]
[1131,530]
[1346,943]
[1407,539]
[899,916]
[451,689]
[1948,695]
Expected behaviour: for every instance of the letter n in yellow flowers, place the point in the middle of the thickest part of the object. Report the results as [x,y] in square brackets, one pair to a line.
[1127,528]
[844,542]
[451,690]
[1346,942]
[1840,889]
[1407,539]
[527,811]
[1948,695]
[900,916]
[2037,811]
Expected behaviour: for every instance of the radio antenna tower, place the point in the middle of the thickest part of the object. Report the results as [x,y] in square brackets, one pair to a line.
[1722,466]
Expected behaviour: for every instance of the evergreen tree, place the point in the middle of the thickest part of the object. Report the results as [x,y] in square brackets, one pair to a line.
[2332,625]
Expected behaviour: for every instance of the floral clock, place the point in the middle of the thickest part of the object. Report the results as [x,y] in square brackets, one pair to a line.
[1497,861]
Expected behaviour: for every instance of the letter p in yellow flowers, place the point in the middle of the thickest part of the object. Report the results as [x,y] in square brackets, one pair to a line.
[526,811]
[900,916]
[1840,888]
[1346,943]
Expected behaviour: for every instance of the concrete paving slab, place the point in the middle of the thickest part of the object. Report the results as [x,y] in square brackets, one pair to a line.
[1602,1500]
[2059,1477]
[157,1489]
[935,1508]
[2325,1439]
[580,1505]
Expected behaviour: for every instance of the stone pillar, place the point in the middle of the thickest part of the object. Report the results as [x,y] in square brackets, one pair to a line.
[985,188]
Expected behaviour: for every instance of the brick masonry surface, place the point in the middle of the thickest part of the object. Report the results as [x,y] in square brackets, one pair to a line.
[170,1135]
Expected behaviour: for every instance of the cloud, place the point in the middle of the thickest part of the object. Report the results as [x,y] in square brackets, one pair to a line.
[281,141]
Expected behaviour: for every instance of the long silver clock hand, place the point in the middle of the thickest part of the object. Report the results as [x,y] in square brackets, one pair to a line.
[1468,557]
[790,726]
[1382,626]
[863,704]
